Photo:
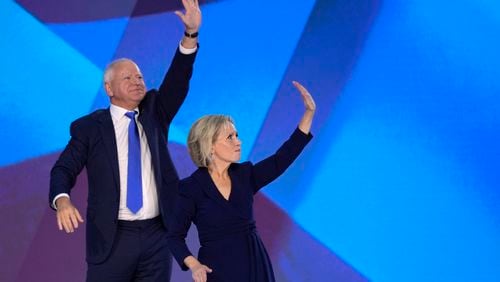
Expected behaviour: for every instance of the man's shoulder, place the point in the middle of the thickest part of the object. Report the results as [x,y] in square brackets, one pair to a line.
[91,118]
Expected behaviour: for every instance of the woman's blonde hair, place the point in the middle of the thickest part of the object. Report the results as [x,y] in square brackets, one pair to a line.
[202,136]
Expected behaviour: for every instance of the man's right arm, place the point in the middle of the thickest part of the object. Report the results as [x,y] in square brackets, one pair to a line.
[63,177]
[70,163]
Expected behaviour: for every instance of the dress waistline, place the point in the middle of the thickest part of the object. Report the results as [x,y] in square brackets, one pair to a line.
[215,234]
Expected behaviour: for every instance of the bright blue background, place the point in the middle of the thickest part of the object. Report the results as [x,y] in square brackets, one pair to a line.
[401,180]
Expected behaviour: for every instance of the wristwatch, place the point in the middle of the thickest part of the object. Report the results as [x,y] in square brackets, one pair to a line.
[191,35]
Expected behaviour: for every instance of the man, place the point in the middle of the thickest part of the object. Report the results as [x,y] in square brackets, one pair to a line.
[131,177]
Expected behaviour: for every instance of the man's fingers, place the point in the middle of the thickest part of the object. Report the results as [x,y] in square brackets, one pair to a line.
[66,225]
[80,218]
[188,4]
[73,220]
[202,276]
[62,221]
[69,224]
[67,216]
[59,224]
[180,15]
[67,219]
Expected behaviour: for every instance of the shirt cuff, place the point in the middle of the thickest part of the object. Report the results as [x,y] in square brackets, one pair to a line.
[57,197]
[187,51]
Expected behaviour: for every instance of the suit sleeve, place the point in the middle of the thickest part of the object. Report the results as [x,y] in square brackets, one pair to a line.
[179,223]
[69,165]
[175,86]
[267,170]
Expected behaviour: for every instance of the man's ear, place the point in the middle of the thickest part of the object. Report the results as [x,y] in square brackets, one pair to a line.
[107,87]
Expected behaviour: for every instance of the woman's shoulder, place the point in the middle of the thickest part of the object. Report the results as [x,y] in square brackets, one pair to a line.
[241,169]
[186,182]
[187,186]
[241,166]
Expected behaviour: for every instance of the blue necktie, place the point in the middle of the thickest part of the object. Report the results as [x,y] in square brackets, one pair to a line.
[134,178]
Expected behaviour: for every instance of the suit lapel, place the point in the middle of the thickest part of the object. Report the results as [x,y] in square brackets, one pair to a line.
[107,131]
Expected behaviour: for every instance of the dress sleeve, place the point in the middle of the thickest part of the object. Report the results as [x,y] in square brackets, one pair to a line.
[267,170]
[179,223]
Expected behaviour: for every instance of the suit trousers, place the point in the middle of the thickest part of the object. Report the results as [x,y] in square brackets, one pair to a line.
[139,253]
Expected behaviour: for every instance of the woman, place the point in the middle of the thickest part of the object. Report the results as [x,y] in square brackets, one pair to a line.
[218,199]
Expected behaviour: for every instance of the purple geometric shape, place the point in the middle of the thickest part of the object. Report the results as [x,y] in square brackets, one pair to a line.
[154,7]
[23,204]
[55,255]
[33,249]
[71,11]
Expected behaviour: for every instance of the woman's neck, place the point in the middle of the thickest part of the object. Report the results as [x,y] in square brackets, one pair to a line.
[218,170]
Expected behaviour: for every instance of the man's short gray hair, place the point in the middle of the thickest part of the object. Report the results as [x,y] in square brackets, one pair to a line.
[108,72]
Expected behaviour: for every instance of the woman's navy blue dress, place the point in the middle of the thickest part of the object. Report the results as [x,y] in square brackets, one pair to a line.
[229,241]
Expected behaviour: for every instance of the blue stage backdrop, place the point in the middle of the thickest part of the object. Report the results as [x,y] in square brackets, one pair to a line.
[400,183]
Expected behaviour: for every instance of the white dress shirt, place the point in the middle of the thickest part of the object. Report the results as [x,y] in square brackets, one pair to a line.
[150,207]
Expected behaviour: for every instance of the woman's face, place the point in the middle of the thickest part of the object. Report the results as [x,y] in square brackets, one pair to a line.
[227,146]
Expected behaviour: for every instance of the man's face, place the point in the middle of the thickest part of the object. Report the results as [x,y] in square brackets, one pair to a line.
[126,87]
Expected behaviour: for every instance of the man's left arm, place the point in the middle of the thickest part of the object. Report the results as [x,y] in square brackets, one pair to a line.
[175,85]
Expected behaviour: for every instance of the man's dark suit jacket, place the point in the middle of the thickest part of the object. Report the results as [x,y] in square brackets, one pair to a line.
[93,145]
